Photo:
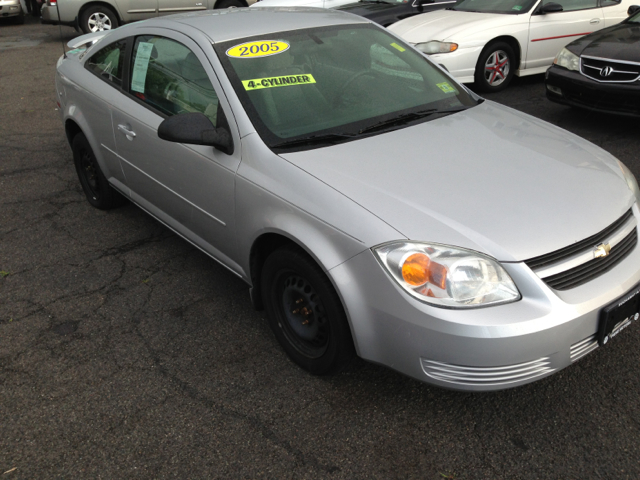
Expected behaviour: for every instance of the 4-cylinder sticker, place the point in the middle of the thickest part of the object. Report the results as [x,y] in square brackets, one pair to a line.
[261,48]
[397,47]
[284,81]
[445,87]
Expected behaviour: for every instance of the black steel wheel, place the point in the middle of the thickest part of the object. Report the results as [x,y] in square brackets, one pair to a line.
[94,184]
[305,312]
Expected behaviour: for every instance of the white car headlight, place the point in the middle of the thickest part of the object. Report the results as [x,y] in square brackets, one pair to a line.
[568,60]
[447,276]
[436,47]
[631,180]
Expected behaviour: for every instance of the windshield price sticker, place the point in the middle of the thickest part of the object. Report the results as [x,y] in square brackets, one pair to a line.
[271,82]
[262,48]
[140,66]
[397,47]
[445,87]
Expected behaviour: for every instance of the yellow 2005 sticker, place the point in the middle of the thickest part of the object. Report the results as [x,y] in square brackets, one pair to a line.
[261,48]
[284,81]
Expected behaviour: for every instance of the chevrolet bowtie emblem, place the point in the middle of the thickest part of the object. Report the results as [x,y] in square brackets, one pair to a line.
[602,250]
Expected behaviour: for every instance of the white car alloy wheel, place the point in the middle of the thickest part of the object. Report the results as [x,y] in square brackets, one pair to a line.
[99,22]
[496,68]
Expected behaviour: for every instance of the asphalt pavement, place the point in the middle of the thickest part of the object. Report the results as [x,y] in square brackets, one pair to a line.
[127,353]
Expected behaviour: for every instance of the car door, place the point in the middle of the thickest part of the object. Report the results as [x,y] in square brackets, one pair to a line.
[550,32]
[615,11]
[133,10]
[167,7]
[189,187]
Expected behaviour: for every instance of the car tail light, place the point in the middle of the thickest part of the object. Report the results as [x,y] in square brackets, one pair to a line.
[52,3]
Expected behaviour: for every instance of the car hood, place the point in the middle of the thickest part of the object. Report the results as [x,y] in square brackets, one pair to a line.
[289,3]
[364,8]
[445,24]
[490,179]
[620,42]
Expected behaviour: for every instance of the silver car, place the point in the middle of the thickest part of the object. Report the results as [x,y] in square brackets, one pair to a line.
[94,16]
[373,205]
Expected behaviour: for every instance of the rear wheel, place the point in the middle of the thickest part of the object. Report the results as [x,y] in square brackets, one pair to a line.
[97,19]
[94,184]
[495,67]
[305,312]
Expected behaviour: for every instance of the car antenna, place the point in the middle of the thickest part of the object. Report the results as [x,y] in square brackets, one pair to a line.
[64,52]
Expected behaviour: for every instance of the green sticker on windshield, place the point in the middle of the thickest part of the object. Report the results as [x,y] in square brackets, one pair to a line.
[271,82]
[517,7]
[445,87]
[398,47]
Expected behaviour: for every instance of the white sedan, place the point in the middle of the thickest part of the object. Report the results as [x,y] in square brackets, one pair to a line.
[488,41]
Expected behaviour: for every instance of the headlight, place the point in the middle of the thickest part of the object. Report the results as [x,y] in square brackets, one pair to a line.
[631,180]
[568,60]
[447,276]
[436,47]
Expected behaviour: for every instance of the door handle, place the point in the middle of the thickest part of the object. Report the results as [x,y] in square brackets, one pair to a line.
[129,133]
[594,21]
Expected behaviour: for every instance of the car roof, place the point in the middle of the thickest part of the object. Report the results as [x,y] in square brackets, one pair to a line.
[233,23]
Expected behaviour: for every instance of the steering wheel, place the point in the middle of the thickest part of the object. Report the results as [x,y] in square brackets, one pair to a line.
[345,86]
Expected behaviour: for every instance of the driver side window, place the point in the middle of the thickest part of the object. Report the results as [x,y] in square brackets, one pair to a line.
[169,78]
[574,5]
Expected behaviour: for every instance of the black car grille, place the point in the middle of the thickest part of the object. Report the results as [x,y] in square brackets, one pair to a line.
[609,70]
[608,101]
[587,271]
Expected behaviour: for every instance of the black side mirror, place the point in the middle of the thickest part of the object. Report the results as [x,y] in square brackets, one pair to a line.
[197,129]
[633,9]
[551,7]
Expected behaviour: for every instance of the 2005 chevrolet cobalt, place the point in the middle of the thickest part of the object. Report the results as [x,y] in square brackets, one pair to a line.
[373,204]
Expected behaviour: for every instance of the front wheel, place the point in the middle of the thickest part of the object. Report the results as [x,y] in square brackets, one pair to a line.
[229,3]
[94,184]
[305,312]
[97,19]
[495,67]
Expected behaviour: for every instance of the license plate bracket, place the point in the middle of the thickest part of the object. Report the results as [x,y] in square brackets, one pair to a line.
[618,315]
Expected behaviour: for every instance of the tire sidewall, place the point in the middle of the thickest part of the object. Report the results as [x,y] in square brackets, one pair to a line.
[103,195]
[480,81]
[278,266]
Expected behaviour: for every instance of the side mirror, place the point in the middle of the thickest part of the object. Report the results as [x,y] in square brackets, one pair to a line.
[633,9]
[197,129]
[551,7]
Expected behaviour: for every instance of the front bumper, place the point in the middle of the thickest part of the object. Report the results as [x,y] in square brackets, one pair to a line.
[461,63]
[480,349]
[10,10]
[580,91]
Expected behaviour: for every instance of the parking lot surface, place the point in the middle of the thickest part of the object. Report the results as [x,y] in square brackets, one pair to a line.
[127,353]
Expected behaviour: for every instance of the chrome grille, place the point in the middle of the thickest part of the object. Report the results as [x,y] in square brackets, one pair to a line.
[486,376]
[580,349]
[607,70]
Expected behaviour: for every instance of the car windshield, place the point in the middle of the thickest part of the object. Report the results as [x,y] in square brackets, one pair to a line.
[310,87]
[511,7]
[634,18]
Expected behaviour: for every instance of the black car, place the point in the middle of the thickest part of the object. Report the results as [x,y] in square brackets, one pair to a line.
[386,12]
[600,71]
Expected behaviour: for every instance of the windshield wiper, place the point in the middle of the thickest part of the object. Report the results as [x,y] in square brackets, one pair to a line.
[329,139]
[409,117]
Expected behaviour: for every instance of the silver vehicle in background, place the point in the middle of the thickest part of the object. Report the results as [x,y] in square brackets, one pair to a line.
[93,16]
[373,204]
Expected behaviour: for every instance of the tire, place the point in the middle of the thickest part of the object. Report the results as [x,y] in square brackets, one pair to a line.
[229,3]
[94,184]
[98,18]
[495,67]
[305,312]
